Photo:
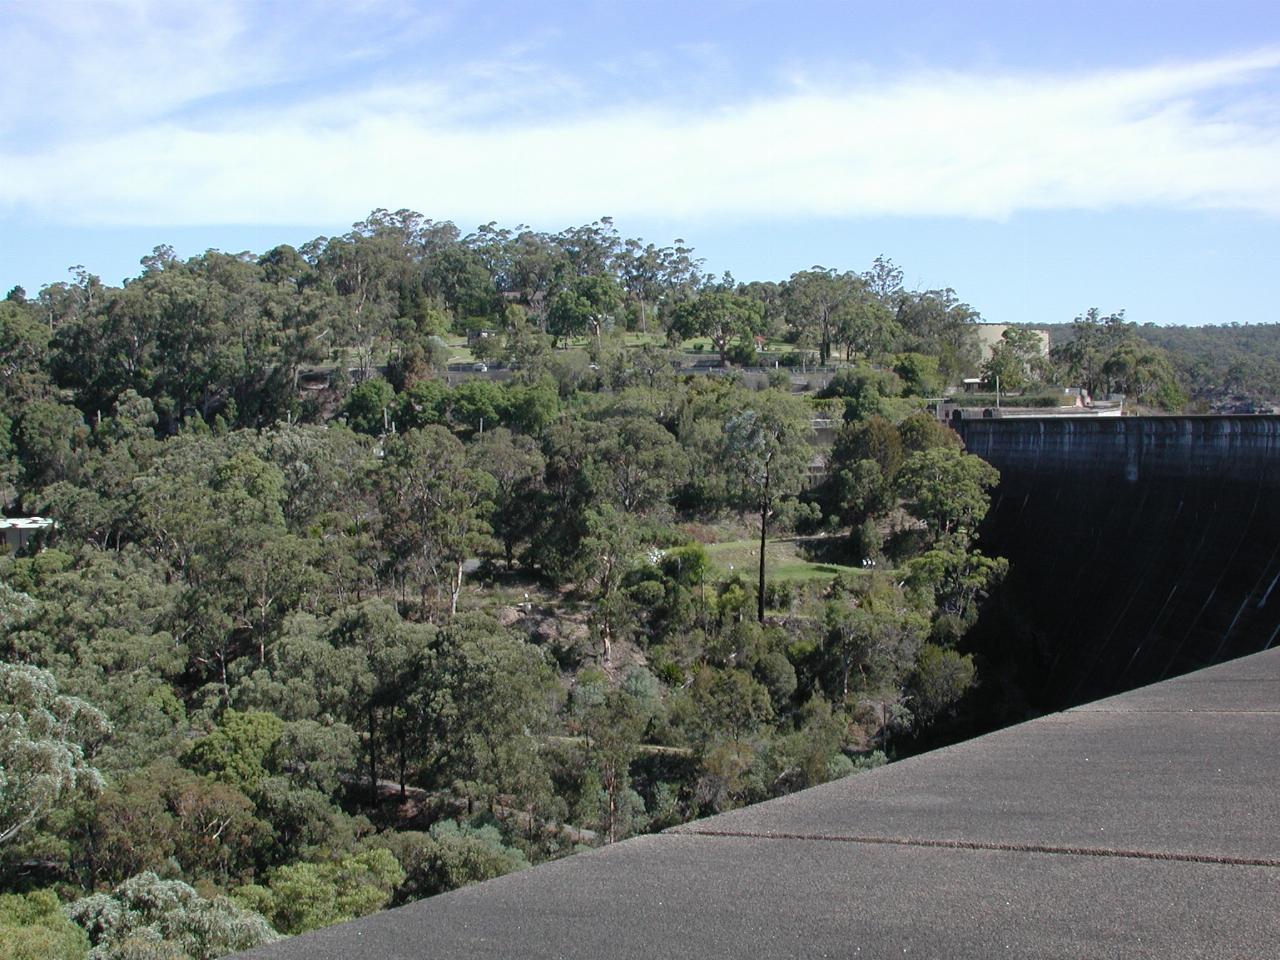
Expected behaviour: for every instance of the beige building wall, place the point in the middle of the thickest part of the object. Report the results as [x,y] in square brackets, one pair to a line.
[989,335]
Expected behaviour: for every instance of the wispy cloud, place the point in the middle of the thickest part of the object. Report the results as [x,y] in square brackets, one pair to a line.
[467,146]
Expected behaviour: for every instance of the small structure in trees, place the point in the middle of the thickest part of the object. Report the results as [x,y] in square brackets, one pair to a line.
[18,532]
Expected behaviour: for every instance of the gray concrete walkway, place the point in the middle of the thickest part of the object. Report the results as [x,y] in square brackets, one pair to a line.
[1145,825]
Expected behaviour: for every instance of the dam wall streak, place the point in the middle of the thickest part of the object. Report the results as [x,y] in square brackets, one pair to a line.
[1140,547]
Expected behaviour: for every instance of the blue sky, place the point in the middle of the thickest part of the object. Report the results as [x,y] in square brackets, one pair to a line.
[1040,158]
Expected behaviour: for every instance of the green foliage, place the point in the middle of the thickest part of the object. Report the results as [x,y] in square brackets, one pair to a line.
[164,817]
[283,619]
[35,927]
[317,756]
[148,916]
[872,636]
[686,565]
[767,451]
[942,677]
[452,855]
[47,741]
[862,388]
[49,438]
[938,323]
[369,406]
[954,577]
[778,675]
[423,403]
[305,896]
[586,305]
[919,374]
[920,432]
[1232,367]
[723,316]
[475,404]
[828,307]
[947,489]
[434,506]
[1018,360]
[811,755]
[502,691]
[1107,355]
[729,703]
[237,751]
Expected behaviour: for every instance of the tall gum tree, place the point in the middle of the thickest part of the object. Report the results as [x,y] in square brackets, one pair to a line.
[816,302]
[721,315]
[434,505]
[767,448]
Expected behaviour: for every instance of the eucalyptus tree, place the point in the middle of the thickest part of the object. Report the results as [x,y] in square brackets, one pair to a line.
[1018,360]
[937,322]
[947,489]
[637,464]
[34,926]
[613,727]
[460,277]
[592,248]
[1143,371]
[364,268]
[517,466]
[767,449]
[640,269]
[148,916]
[24,354]
[397,691]
[47,740]
[434,505]
[866,325]
[884,280]
[299,897]
[538,266]
[503,694]
[875,630]
[720,314]
[816,301]
[608,551]
[586,305]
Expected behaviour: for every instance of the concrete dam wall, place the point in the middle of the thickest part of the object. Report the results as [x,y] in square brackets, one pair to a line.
[1140,548]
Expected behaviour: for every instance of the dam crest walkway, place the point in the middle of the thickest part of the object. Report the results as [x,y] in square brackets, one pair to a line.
[1142,825]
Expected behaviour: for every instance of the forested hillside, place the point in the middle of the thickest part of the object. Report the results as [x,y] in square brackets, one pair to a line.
[407,559]
[1230,368]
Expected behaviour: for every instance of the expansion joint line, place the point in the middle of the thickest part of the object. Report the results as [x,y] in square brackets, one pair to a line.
[1136,712]
[996,846]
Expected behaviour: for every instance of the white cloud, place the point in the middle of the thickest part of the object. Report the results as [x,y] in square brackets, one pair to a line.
[89,67]
[1192,135]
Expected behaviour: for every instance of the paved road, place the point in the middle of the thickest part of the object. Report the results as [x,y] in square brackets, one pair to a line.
[1145,825]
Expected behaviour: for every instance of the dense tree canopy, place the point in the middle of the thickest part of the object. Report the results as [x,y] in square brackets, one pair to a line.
[407,558]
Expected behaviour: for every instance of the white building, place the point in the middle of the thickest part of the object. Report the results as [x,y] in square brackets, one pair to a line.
[19,531]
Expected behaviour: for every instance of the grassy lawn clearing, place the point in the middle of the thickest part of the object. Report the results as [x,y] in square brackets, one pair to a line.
[782,561]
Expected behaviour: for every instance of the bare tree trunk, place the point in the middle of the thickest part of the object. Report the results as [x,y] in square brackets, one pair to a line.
[226,687]
[455,588]
[402,764]
[764,527]
[373,758]
[611,791]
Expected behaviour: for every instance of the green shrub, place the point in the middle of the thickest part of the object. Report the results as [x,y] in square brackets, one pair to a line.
[35,927]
